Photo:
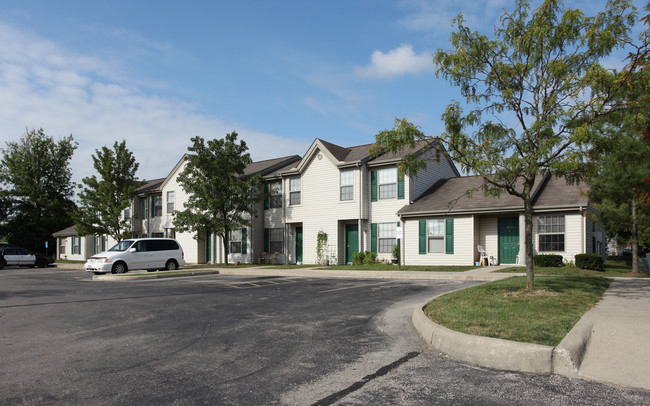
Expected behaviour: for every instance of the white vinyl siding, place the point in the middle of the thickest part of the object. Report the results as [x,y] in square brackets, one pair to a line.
[464,243]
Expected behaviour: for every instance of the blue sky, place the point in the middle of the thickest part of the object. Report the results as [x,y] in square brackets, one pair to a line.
[280,73]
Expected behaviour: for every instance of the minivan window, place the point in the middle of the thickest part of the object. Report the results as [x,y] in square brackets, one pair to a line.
[122,246]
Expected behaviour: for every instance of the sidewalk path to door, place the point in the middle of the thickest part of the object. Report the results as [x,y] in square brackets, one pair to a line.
[618,350]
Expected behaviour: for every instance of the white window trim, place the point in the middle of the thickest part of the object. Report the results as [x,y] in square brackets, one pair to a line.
[380,184]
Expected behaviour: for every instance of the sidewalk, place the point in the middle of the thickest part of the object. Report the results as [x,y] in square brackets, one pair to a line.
[618,351]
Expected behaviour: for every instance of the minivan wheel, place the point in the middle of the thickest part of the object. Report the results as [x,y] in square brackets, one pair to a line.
[171,265]
[119,267]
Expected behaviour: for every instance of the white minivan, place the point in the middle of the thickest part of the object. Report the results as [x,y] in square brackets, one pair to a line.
[138,253]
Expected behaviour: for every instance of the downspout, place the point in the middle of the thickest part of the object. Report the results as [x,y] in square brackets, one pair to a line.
[284,218]
[583,226]
[361,239]
[402,243]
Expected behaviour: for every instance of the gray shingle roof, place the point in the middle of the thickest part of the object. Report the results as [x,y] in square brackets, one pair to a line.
[265,167]
[450,195]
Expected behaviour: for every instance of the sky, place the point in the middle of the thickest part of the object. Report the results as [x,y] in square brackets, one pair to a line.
[279,73]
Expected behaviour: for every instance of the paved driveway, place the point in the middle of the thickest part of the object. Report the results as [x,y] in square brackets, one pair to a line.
[242,341]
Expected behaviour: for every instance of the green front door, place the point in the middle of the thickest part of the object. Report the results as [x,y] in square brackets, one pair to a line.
[351,241]
[299,244]
[508,240]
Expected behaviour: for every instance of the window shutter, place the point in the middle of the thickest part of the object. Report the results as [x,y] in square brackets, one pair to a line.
[449,236]
[267,198]
[373,186]
[267,241]
[373,237]
[423,237]
[243,240]
[400,184]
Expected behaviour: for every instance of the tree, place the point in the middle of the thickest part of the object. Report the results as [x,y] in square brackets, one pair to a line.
[220,196]
[618,187]
[619,173]
[103,201]
[36,188]
[529,93]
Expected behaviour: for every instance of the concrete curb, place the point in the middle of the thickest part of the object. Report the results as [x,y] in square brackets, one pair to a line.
[141,276]
[565,359]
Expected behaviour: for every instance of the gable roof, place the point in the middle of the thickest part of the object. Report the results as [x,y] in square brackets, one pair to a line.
[450,196]
[347,156]
[66,232]
[270,165]
[150,186]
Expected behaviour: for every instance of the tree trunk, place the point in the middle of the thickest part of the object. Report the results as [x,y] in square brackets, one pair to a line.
[635,238]
[224,241]
[528,241]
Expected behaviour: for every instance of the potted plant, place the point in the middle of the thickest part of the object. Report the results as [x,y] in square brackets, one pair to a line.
[395,259]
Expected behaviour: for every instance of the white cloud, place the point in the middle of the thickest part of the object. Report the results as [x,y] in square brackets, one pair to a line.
[397,62]
[43,85]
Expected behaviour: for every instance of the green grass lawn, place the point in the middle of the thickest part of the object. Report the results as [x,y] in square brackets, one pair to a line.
[614,267]
[390,267]
[505,310]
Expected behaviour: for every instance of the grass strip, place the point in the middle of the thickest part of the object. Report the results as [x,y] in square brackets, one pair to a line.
[505,310]
[395,268]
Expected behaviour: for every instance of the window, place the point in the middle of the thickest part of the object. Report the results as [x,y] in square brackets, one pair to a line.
[144,208]
[61,246]
[436,235]
[551,233]
[156,202]
[276,240]
[158,235]
[127,214]
[387,183]
[170,202]
[347,185]
[76,245]
[294,191]
[386,236]
[235,242]
[276,194]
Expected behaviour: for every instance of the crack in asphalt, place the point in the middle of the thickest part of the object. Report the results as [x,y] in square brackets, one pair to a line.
[331,399]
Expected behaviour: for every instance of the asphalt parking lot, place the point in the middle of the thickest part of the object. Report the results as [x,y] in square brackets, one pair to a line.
[235,340]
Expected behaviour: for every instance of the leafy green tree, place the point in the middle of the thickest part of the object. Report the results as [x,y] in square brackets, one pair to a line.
[220,197]
[618,187]
[102,201]
[620,173]
[36,189]
[529,93]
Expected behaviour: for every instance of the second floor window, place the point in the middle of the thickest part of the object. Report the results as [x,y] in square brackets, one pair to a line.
[347,185]
[170,202]
[294,191]
[387,183]
[127,214]
[156,202]
[276,194]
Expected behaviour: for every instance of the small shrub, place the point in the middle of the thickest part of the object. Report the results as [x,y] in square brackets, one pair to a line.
[370,258]
[358,258]
[590,261]
[550,260]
